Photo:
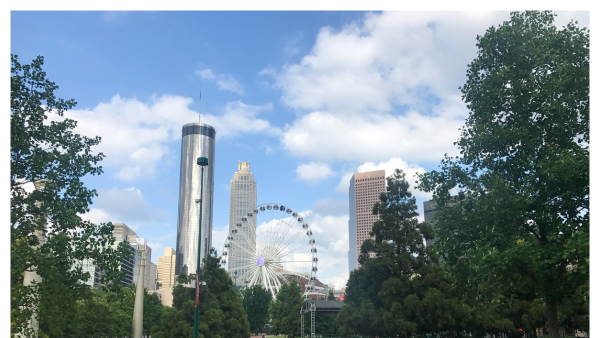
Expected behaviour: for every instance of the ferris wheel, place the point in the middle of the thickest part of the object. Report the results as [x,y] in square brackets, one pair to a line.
[270,244]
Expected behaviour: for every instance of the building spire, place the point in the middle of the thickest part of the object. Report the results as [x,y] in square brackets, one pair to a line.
[200,108]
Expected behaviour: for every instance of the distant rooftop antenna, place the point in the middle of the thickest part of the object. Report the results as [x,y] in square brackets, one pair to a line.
[200,108]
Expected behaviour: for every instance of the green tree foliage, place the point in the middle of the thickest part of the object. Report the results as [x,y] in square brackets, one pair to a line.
[257,300]
[522,226]
[397,291]
[285,310]
[153,311]
[105,314]
[330,295]
[44,147]
[221,312]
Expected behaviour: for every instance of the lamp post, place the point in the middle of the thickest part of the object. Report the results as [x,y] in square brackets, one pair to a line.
[202,162]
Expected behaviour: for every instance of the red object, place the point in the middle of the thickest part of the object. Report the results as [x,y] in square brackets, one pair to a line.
[342,297]
[197,292]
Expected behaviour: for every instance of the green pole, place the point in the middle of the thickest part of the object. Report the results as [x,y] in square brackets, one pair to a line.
[202,161]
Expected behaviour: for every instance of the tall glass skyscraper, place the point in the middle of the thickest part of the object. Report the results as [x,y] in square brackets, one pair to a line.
[242,201]
[198,140]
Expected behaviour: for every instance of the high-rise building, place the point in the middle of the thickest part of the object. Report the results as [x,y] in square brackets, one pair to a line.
[198,140]
[429,210]
[153,277]
[166,269]
[365,189]
[129,265]
[242,201]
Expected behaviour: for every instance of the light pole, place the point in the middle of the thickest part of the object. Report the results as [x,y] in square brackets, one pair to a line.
[202,162]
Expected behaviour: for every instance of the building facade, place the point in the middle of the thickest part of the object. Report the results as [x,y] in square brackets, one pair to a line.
[153,277]
[429,210]
[198,140]
[242,201]
[166,269]
[365,189]
[129,265]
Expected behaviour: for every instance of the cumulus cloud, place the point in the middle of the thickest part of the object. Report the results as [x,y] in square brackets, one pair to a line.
[313,173]
[384,86]
[325,136]
[125,206]
[136,135]
[390,166]
[223,81]
[239,118]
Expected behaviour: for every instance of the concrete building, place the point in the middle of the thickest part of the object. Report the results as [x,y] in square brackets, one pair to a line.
[429,209]
[166,269]
[365,189]
[129,265]
[198,140]
[153,277]
[241,202]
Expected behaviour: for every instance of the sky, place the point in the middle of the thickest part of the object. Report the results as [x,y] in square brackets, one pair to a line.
[308,97]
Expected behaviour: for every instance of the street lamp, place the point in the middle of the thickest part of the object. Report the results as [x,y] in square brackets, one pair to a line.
[202,162]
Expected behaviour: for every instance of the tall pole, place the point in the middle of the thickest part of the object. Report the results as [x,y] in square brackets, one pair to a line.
[202,162]
[138,309]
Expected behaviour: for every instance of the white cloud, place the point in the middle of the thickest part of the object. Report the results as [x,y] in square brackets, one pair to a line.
[224,82]
[385,86]
[125,206]
[241,118]
[415,137]
[394,163]
[331,237]
[313,173]
[136,135]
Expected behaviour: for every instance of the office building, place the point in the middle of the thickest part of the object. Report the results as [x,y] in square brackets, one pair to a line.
[198,140]
[153,277]
[365,189]
[242,200]
[429,209]
[166,269]
[129,265]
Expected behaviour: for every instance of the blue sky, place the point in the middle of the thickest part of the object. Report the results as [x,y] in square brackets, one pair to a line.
[307,97]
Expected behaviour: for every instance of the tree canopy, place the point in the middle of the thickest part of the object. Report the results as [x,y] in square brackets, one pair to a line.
[47,233]
[521,228]
[221,312]
[285,310]
[257,300]
[398,291]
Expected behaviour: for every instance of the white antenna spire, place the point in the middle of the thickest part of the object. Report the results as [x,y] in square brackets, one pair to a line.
[200,108]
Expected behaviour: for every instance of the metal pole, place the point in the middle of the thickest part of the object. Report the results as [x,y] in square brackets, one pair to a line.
[138,309]
[199,242]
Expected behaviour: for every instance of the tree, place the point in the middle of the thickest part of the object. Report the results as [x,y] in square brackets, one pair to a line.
[285,310]
[397,287]
[221,313]
[105,314]
[47,233]
[153,310]
[257,300]
[522,225]
[330,295]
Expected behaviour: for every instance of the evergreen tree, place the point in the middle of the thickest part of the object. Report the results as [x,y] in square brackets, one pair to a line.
[257,300]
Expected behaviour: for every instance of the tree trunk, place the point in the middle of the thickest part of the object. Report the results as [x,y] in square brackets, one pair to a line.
[552,314]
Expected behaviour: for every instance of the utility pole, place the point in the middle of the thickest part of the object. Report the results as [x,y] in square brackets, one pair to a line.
[138,309]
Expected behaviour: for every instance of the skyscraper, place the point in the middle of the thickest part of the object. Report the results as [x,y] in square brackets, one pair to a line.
[166,269]
[242,200]
[198,140]
[365,189]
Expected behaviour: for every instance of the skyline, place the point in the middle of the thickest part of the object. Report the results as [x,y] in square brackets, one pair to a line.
[285,99]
